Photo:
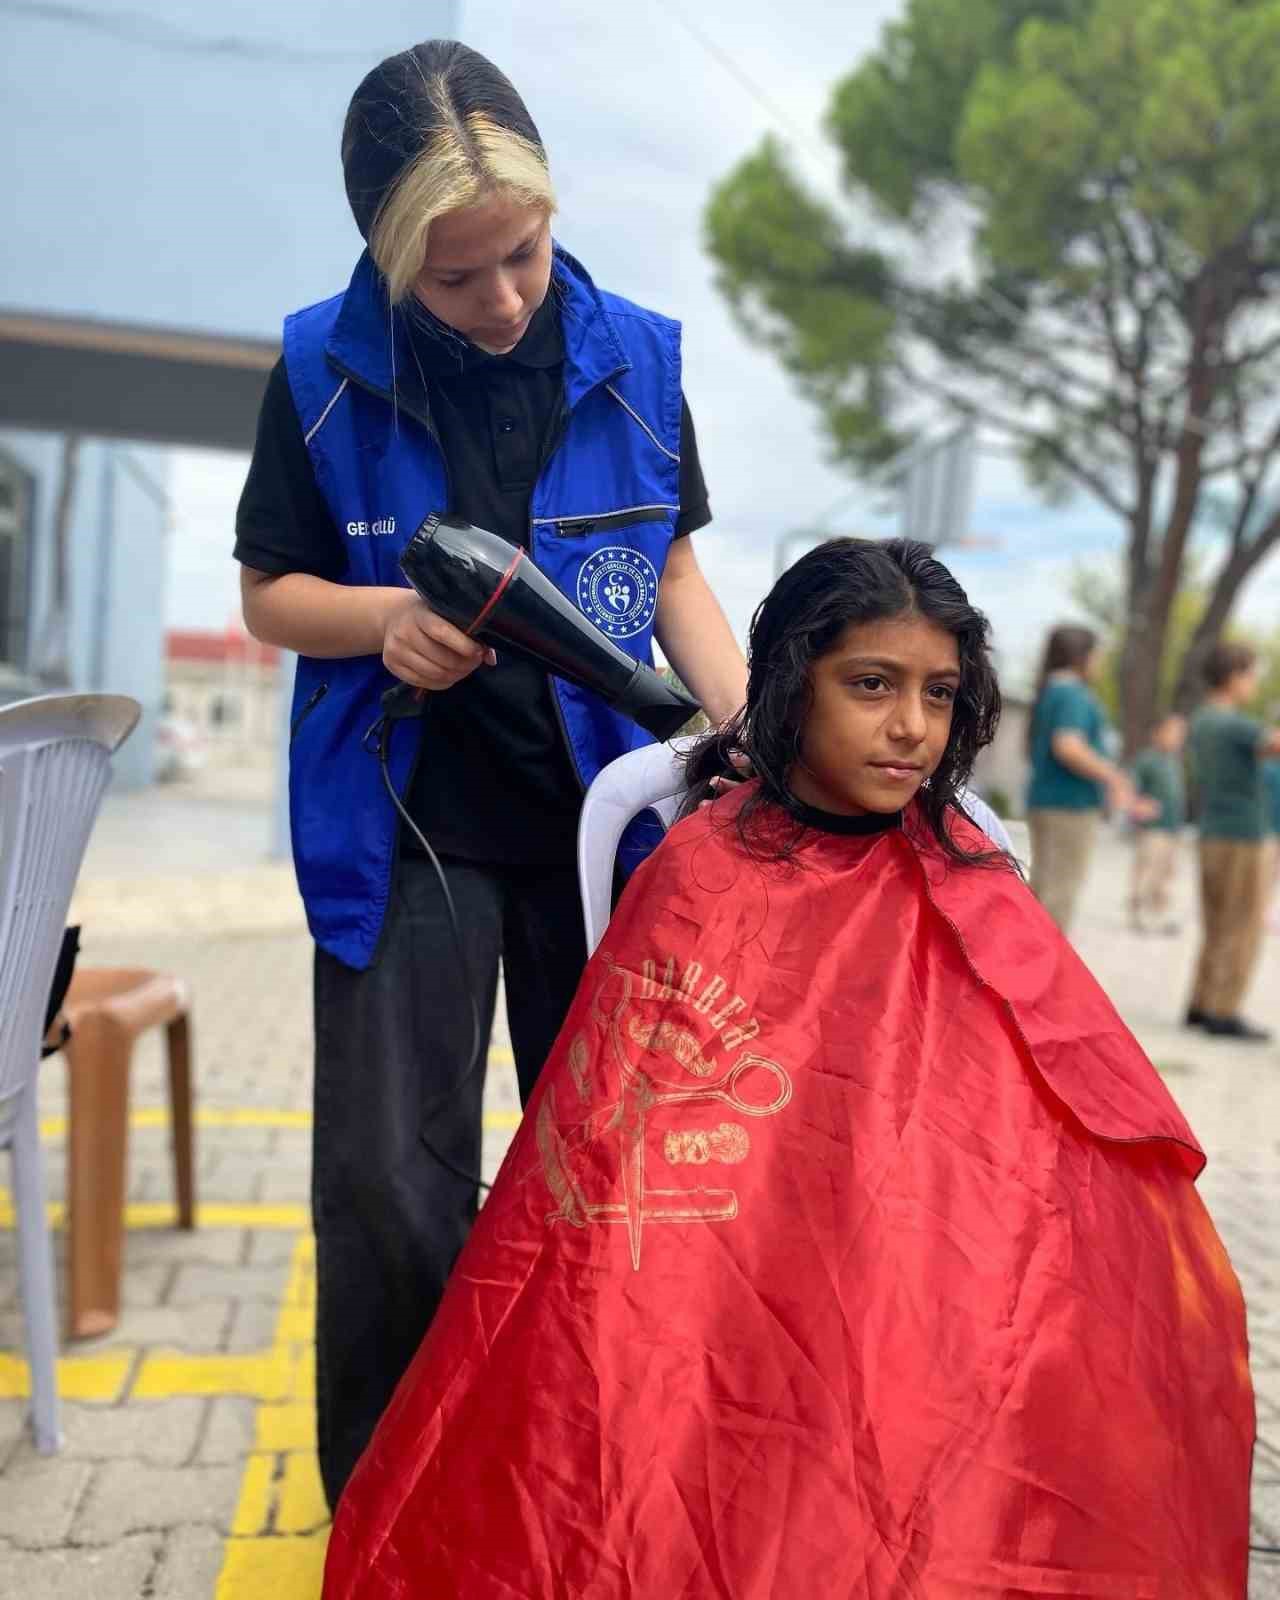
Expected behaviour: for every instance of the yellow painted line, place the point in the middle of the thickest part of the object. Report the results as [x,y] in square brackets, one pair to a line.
[292,1568]
[286,1427]
[253,1508]
[261,1375]
[161,1214]
[99,1378]
[280,1528]
[206,1117]
[52,1128]
[301,1508]
[275,1375]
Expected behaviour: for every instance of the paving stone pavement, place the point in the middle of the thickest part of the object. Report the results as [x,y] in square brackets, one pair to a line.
[189,1466]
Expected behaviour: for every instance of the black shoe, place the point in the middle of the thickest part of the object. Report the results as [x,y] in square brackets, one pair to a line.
[1195,1018]
[1235,1028]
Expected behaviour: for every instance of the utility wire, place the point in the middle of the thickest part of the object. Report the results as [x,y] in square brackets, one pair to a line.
[796,132]
[140,28]
[745,81]
[987,295]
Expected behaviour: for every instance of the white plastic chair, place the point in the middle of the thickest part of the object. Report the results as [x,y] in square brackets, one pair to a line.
[652,778]
[55,755]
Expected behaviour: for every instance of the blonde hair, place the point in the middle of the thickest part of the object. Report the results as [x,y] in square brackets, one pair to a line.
[460,167]
[429,131]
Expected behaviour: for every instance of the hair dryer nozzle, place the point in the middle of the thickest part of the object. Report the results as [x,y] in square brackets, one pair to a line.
[658,706]
[492,590]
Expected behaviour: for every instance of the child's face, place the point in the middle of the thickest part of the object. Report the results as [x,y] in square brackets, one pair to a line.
[883,697]
[1243,685]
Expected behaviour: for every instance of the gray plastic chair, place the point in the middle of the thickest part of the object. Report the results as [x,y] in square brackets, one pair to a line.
[652,778]
[55,755]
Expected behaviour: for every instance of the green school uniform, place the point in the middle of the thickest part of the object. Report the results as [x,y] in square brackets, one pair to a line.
[1227,762]
[1158,775]
[1067,704]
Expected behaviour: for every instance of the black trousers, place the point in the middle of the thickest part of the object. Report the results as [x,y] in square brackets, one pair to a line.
[392,1044]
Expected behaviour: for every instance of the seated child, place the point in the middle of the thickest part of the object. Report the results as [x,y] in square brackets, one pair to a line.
[850,1245]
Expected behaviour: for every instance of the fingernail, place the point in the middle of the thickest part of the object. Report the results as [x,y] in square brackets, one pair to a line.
[491,656]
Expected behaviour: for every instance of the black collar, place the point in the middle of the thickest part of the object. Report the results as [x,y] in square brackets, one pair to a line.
[870,822]
[444,353]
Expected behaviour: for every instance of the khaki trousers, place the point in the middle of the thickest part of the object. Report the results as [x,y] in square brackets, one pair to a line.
[1234,879]
[1155,857]
[1061,844]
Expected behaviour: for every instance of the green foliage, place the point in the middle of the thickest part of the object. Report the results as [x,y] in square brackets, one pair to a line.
[1266,702]
[895,118]
[1113,170]
[1097,593]
[795,286]
[699,722]
[1000,802]
[1165,107]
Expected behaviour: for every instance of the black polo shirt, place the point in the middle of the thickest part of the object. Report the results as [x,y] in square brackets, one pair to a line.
[494,781]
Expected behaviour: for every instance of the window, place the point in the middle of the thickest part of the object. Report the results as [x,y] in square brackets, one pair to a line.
[224,710]
[15,539]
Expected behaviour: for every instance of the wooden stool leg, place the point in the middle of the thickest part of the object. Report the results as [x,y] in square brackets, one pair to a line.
[98,1073]
[182,1120]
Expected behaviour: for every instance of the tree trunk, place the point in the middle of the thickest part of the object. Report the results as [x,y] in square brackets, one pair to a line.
[1142,647]
[1141,654]
[1148,622]
[1230,581]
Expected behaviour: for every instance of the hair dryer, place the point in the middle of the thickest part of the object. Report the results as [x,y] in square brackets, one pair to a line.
[493,592]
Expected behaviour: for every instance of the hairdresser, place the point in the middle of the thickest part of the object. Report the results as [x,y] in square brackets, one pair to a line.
[471,366]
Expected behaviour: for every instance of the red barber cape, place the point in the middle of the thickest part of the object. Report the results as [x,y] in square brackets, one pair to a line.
[849,1247]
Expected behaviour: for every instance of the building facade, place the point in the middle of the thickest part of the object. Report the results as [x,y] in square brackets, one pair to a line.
[84,540]
[156,239]
[224,688]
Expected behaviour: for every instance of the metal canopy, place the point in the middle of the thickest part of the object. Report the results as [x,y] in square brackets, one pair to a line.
[111,380]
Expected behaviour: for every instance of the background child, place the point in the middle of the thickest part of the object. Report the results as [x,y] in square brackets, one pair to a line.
[1070,773]
[1228,748]
[1158,776]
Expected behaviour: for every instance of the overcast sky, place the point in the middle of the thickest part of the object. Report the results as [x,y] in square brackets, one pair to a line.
[640,119]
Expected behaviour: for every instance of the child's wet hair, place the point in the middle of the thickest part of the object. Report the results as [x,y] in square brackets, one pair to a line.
[843,583]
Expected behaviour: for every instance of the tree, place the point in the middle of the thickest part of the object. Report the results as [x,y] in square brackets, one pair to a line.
[1099,594]
[1111,173]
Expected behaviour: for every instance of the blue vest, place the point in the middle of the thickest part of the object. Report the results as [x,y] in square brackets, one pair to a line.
[603,513]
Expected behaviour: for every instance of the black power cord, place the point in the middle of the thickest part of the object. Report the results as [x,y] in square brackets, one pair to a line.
[396,706]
